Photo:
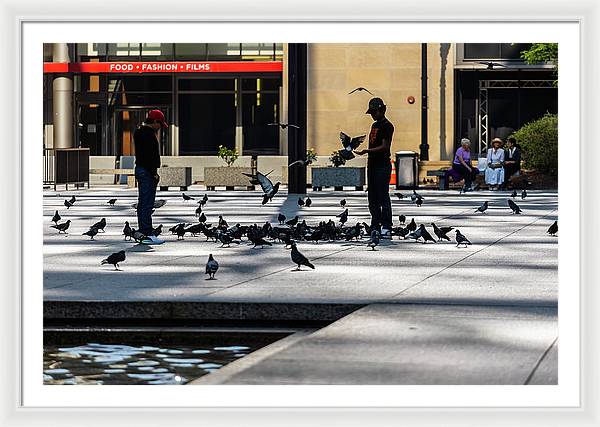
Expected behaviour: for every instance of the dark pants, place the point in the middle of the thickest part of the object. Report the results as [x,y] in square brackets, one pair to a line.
[509,170]
[146,196]
[379,196]
[469,177]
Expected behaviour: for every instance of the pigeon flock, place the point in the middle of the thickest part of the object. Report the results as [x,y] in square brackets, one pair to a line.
[287,231]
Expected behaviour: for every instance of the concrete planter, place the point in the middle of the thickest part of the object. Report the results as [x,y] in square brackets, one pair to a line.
[228,177]
[175,177]
[338,177]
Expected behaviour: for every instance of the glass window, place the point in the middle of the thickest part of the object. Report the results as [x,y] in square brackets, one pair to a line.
[91,49]
[191,51]
[133,83]
[223,51]
[121,50]
[207,84]
[505,51]
[157,51]
[254,84]
[258,110]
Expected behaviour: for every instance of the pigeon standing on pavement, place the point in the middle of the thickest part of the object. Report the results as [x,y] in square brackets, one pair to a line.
[292,221]
[425,234]
[412,225]
[461,239]
[343,203]
[112,202]
[441,232]
[157,231]
[114,259]
[374,240]
[127,231]
[553,229]
[523,194]
[62,227]
[68,204]
[515,208]
[198,210]
[402,219]
[343,216]
[100,224]
[202,218]
[400,196]
[186,197]
[482,208]
[419,201]
[513,194]
[308,202]
[281,218]
[299,259]
[91,232]
[211,267]
[300,202]
[56,217]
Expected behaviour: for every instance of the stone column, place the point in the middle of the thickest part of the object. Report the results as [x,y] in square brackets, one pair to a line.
[62,89]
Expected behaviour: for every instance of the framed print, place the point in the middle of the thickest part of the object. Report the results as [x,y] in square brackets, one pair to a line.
[299,217]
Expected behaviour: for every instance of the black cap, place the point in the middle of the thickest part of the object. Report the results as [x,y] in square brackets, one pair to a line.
[375,104]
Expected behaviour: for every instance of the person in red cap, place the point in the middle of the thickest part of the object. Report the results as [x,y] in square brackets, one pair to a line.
[147,162]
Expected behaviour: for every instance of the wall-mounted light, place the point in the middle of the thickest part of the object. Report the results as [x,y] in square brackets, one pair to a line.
[410,99]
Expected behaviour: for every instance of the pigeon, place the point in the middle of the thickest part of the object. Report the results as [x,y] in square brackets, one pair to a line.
[62,227]
[308,202]
[401,232]
[253,178]
[198,210]
[195,229]
[91,232]
[292,221]
[68,204]
[441,232]
[515,208]
[281,218]
[414,196]
[343,216]
[400,196]
[186,197]
[419,202]
[222,222]
[412,225]
[56,217]
[490,65]
[114,259]
[203,200]
[157,231]
[343,203]
[211,267]
[374,240]
[482,208]
[72,200]
[127,231]
[402,219]
[523,194]
[416,234]
[425,234]
[301,162]
[300,202]
[259,241]
[461,239]
[226,239]
[553,229]
[269,190]
[360,89]
[112,202]
[349,144]
[100,224]
[284,125]
[299,259]
[514,194]
[202,218]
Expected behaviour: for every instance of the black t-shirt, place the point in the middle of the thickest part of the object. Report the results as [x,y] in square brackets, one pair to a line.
[147,154]
[382,129]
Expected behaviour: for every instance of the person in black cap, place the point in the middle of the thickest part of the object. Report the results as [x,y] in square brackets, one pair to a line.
[147,162]
[379,168]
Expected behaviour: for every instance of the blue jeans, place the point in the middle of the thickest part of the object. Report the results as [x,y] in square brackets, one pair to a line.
[380,206]
[146,196]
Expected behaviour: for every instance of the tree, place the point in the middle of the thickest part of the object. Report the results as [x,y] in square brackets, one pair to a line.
[542,52]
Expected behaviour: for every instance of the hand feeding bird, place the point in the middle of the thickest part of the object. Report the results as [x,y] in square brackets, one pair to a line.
[360,89]
[211,267]
[91,232]
[482,208]
[553,229]
[349,144]
[62,227]
[114,259]
[514,207]
[56,218]
[298,258]
[112,202]
[461,239]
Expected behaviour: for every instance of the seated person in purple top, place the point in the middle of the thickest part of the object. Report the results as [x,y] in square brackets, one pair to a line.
[462,164]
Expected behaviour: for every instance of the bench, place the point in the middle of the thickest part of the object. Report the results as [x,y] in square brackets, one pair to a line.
[130,173]
[444,175]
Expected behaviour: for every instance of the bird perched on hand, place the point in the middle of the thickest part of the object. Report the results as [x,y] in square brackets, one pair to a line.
[91,232]
[68,204]
[412,225]
[284,125]
[127,231]
[63,227]
[513,194]
[100,224]
[402,219]
[515,208]
[300,202]
[441,232]
[553,229]
[425,234]
[461,239]
[374,240]
[523,194]
[343,203]
[114,259]
[349,144]
[211,267]
[308,202]
[482,208]
[112,202]
[56,217]
[292,221]
[360,89]
[343,216]
[298,258]
[186,197]
[281,218]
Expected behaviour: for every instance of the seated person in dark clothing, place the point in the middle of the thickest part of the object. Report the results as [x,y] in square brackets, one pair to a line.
[462,164]
[512,160]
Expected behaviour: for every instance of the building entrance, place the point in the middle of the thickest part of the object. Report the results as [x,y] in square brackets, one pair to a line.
[123,123]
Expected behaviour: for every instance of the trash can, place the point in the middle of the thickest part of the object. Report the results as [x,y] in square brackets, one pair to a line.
[407,170]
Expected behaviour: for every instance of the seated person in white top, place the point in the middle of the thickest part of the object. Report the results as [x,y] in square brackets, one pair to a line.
[494,173]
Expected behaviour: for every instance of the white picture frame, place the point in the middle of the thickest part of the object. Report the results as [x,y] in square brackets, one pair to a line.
[16,13]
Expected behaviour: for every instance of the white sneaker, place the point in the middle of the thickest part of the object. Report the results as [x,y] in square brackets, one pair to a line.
[155,240]
[386,234]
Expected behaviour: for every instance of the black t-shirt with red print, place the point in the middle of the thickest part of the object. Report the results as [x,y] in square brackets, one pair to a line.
[380,130]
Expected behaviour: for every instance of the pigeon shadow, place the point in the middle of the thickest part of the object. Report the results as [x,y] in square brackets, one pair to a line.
[140,247]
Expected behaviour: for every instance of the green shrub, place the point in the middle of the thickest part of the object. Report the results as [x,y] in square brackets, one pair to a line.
[539,144]
[336,159]
[228,155]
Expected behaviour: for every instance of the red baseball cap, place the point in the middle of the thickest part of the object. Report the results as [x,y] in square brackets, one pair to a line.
[158,115]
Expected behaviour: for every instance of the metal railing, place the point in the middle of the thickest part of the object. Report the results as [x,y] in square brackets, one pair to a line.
[66,166]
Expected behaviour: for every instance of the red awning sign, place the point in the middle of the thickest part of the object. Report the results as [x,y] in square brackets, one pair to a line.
[164,67]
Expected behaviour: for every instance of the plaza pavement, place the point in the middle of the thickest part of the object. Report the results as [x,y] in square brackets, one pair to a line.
[409,313]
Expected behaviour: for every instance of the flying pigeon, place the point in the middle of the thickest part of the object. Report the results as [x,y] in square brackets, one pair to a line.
[62,227]
[112,202]
[100,224]
[72,200]
[349,144]
[553,229]
[186,197]
[482,208]
[284,125]
[360,89]
[515,208]
[374,240]
[269,190]
[461,239]
[91,232]
[523,194]
[253,178]
[300,202]
[211,267]
[56,217]
[308,202]
[441,232]
[301,162]
[281,218]
[299,259]
[114,259]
